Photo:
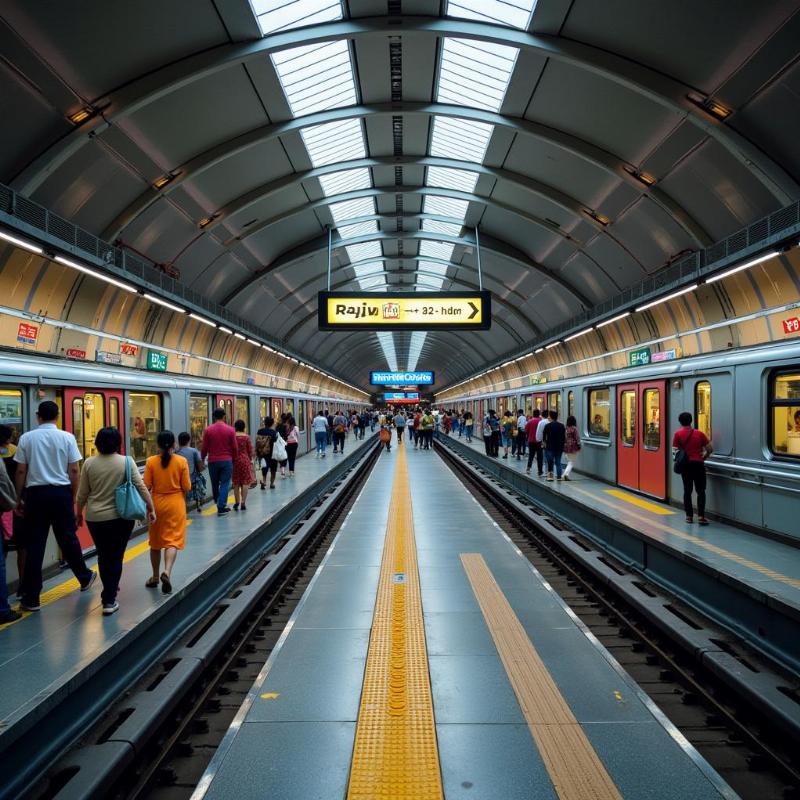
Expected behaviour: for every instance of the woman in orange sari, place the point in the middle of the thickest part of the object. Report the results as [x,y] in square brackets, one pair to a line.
[167,477]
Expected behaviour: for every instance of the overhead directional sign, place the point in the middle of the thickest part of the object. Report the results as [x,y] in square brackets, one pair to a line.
[418,311]
[411,378]
[395,397]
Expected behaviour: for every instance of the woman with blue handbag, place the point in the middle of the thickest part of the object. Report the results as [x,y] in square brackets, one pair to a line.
[111,497]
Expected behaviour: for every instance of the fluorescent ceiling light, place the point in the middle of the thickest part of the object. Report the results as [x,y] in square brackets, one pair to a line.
[746,265]
[613,319]
[446,178]
[475,73]
[553,344]
[202,319]
[283,16]
[21,243]
[445,207]
[225,330]
[253,342]
[350,180]
[462,139]
[576,335]
[153,299]
[513,13]
[333,142]
[67,263]
[240,336]
[668,297]
[445,228]
[316,77]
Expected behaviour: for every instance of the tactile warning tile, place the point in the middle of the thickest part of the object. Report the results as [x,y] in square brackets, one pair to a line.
[395,754]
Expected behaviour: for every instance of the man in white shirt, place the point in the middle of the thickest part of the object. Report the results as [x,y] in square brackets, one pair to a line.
[522,438]
[48,472]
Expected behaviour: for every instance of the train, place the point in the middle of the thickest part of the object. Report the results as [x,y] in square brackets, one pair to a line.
[747,401]
[140,404]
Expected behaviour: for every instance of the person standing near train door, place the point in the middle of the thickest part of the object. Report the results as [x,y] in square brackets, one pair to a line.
[218,450]
[696,448]
[47,471]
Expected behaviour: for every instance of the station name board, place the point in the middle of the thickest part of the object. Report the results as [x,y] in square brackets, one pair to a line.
[399,397]
[421,378]
[419,311]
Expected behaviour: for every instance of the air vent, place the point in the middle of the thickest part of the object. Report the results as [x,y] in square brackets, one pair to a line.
[395,8]
[396,70]
[398,176]
[397,135]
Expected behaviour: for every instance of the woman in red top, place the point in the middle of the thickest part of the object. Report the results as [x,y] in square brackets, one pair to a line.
[697,448]
[243,474]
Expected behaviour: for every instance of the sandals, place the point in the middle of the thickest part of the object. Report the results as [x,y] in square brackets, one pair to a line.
[166,586]
[151,583]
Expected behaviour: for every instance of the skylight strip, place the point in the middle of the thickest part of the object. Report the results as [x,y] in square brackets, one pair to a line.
[414,349]
[513,13]
[363,251]
[459,138]
[446,228]
[361,207]
[445,206]
[294,13]
[433,266]
[446,178]
[386,341]
[442,250]
[359,229]
[347,181]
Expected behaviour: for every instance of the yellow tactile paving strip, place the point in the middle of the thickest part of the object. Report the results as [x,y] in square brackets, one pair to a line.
[574,767]
[395,753]
[664,511]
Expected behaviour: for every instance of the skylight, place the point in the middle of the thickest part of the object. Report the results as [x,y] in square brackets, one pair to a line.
[514,13]
[363,251]
[287,14]
[460,138]
[316,77]
[333,142]
[475,73]
[446,228]
[414,349]
[387,345]
[350,209]
[429,249]
[445,207]
[348,181]
[447,178]
[359,229]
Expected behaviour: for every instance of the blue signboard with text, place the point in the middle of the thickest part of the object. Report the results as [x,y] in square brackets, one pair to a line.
[411,378]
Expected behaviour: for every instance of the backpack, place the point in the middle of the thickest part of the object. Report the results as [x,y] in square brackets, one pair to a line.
[680,460]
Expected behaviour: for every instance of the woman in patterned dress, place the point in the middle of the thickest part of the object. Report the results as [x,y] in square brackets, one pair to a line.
[243,474]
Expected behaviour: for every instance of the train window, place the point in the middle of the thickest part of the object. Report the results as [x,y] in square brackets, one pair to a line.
[144,421]
[263,410]
[570,404]
[528,405]
[627,415]
[198,417]
[702,407]
[554,402]
[113,413]
[289,407]
[651,435]
[243,410]
[11,411]
[301,414]
[77,424]
[785,403]
[276,409]
[88,416]
[599,412]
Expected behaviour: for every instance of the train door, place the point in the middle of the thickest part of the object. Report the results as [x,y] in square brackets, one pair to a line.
[540,401]
[641,447]
[225,402]
[276,408]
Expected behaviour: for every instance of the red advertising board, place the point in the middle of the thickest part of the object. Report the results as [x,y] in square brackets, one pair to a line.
[129,349]
[74,352]
[27,333]
[791,325]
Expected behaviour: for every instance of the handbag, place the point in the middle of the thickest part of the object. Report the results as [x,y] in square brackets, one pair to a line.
[279,449]
[680,459]
[130,504]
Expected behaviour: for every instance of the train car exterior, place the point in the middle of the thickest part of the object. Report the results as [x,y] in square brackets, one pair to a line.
[747,401]
[140,404]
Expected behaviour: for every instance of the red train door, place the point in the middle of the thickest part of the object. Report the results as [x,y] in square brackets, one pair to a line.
[225,402]
[641,449]
[86,411]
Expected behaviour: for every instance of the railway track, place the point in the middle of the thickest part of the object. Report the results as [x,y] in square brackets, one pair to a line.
[756,759]
[178,745]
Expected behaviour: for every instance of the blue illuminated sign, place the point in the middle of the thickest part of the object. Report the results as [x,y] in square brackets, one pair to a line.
[388,396]
[401,378]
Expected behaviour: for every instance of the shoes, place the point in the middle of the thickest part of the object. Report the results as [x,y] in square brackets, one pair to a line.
[527,472]
[29,606]
[283,475]
[690,520]
[272,486]
[550,477]
[9,616]
[235,506]
[702,521]
[223,511]
[110,608]
[151,583]
[506,455]
[567,478]
[264,485]
[291,474]
[89,582]
[166,584]
[244,507]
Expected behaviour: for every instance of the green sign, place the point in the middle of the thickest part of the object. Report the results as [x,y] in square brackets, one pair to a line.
[157,362]
[640,358]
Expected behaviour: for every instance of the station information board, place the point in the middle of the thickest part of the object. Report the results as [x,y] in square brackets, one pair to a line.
[418,311]
[411,378]
[399,397]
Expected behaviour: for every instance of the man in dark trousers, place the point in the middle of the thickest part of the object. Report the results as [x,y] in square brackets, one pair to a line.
[553,439]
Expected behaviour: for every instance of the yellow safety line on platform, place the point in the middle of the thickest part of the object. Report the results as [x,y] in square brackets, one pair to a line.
[637,501]
[574,767]
[688,537]
[212,509]
[395,754]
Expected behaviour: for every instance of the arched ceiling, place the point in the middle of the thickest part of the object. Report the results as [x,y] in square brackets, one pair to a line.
[591,143]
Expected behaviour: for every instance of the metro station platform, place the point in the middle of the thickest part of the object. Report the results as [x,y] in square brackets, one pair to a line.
[48,655]
[429,659]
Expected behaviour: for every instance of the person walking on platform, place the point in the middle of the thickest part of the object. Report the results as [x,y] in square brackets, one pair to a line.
[243,474]
[339,430]
[554,438]
[101,476]
[320,428]
[427,424]
[572,445]
[8,502]
[47,472]
[265,443]
[486,431]
[522,437]
[13,518]
[218,450]
[509,434]
[469,426]
[363,419]
[292,443]
[329,417]
[167,477]
[400,426]
[534,445]
[696,449]
[543,423]
[196,467]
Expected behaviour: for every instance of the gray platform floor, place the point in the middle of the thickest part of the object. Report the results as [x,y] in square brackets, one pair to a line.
[42,650]
[293,737]
[721,546]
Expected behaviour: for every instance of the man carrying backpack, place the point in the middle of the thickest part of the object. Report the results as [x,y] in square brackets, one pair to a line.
[692,448]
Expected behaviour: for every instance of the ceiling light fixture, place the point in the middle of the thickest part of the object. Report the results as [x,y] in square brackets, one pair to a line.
[643,177]
[240,336]
[21,243]
[613,319]
[81,116]
[67,263]
[576,335]
[668,297]
[253,342]
[161,182]
[741,267]
[202,319]
[225,330]
[597,217]
[171,306]
[538,350]
[552,344]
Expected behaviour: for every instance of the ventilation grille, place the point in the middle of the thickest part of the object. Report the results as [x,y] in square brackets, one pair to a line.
[397,135]
[398,176]
[396,70]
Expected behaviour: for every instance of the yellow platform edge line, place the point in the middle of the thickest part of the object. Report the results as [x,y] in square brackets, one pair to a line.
[573,765]
[395,752]
[637,501]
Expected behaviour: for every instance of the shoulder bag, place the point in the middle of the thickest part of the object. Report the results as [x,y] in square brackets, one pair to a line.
[279,449]
[130,504]
[680,460]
